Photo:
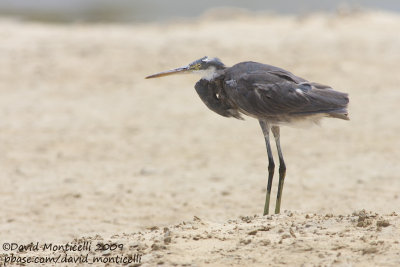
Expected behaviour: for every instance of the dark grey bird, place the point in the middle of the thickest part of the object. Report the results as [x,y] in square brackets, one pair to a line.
[270,94]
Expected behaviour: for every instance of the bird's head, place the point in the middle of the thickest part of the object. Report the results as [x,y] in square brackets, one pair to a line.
[207,67]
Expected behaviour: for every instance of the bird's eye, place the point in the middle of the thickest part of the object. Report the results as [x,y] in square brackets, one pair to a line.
[196,67]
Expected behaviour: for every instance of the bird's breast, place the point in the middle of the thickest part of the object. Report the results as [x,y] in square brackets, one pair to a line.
[215,98]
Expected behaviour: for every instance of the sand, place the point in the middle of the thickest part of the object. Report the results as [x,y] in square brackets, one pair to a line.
[90,150]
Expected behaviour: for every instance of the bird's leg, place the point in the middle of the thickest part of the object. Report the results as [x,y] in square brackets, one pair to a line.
[282,168]
[271,165]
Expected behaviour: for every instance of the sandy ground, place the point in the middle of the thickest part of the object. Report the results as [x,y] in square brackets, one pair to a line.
[92,151]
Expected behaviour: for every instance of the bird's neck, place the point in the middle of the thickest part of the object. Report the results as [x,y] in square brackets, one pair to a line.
[209,73]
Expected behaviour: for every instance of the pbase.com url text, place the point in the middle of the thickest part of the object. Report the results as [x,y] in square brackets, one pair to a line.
[65,258]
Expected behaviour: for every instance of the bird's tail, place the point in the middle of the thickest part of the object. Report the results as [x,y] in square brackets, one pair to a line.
[332,103]
[327,101]
[339,114]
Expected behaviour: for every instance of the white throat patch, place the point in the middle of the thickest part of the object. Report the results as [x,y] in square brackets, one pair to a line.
[208,74]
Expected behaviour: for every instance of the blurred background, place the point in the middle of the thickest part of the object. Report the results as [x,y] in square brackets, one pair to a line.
[161,11]
[88,146]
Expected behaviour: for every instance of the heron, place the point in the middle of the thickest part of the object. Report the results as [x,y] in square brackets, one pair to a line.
[270,94]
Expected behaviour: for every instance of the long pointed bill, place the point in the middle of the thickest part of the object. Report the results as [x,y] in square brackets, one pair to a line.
[169,72]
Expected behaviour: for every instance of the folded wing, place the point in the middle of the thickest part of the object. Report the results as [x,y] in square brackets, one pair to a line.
[277,92]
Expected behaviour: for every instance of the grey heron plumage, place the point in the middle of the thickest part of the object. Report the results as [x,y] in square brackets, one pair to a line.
[270,94]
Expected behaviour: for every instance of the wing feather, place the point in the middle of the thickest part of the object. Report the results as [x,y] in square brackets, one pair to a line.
[276,92]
